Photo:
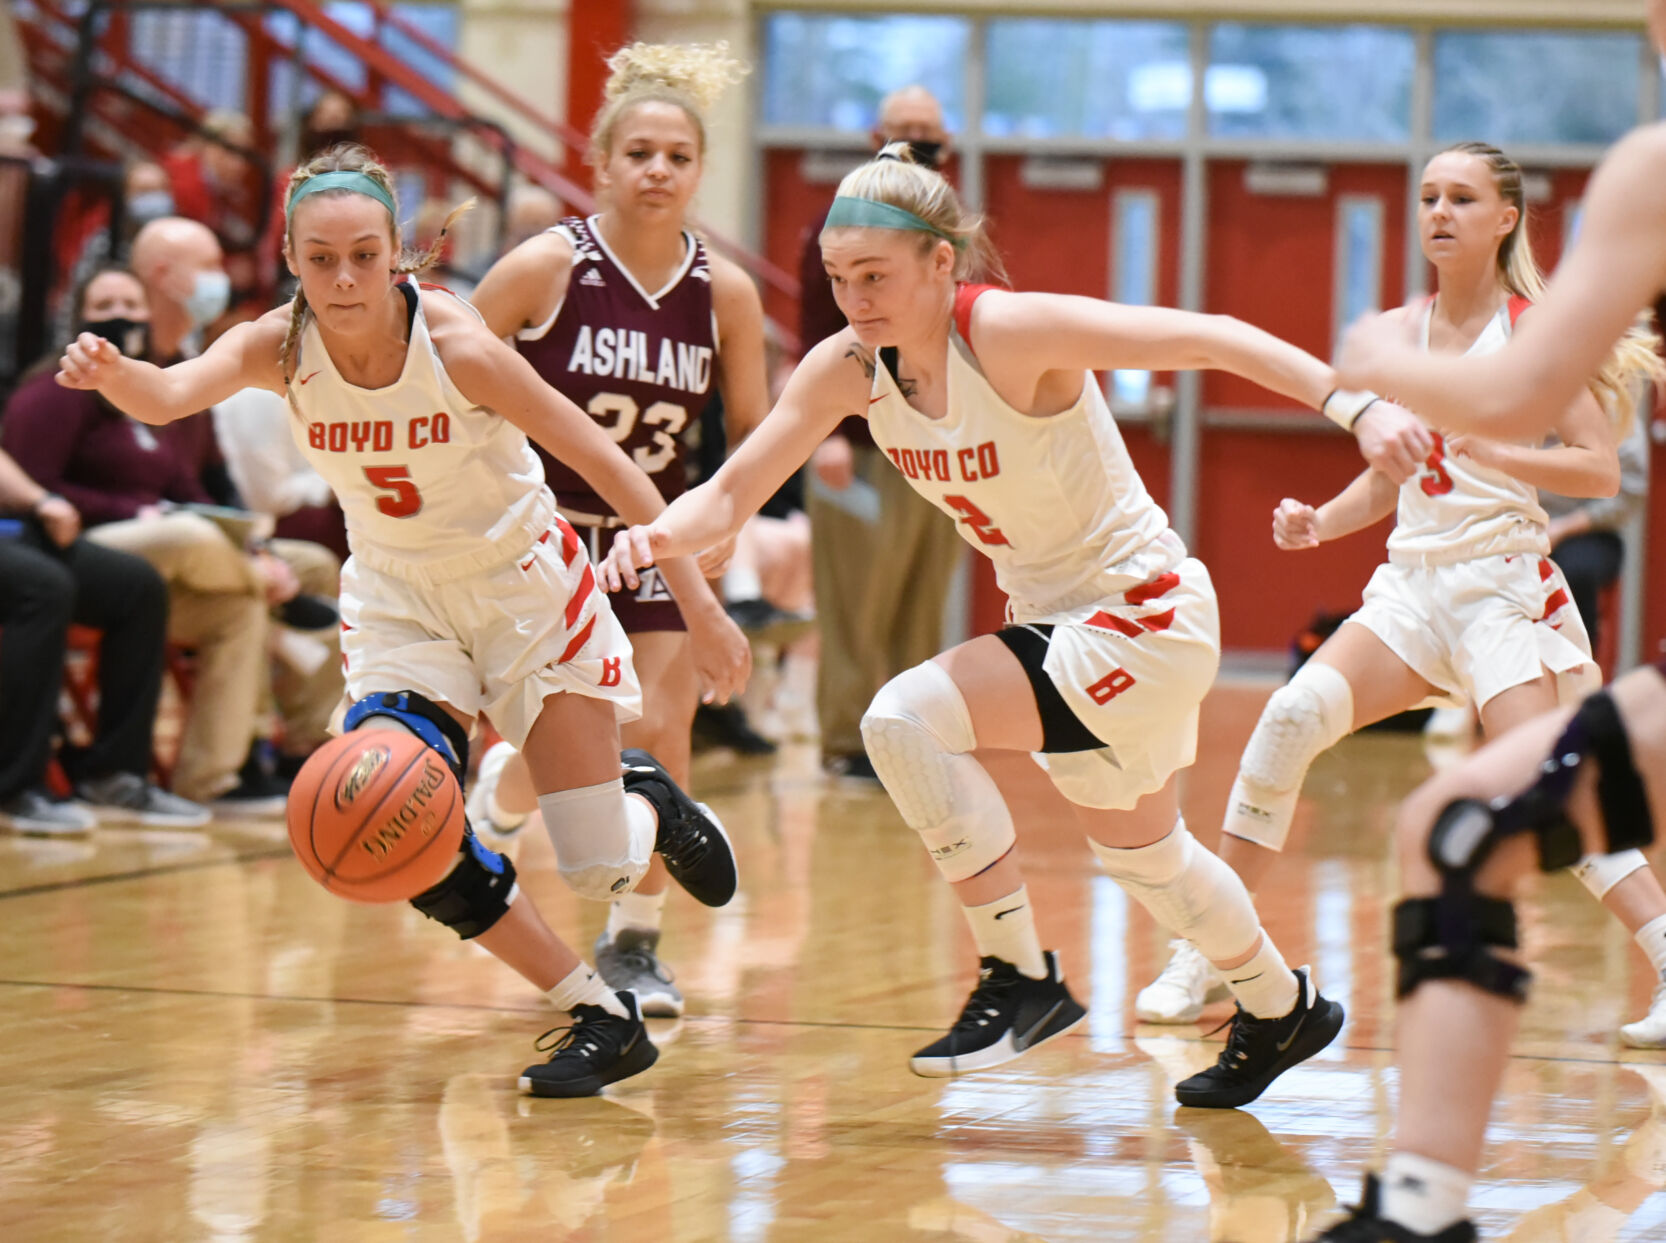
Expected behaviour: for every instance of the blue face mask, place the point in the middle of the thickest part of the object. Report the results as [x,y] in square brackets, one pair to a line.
[209,298]
[151,205]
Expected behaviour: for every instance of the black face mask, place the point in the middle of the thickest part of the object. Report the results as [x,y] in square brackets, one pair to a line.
[129,336]
[926,152]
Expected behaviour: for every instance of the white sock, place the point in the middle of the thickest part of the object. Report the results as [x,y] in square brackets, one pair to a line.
[636,910]
[1265,984]
[1005,929]
[742,583]
[583,987]
[1423,1195]
[1651,939]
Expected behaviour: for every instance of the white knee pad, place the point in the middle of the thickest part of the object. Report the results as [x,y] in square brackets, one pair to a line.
[1306,716]
[1600,873]
[1188,890]
[917,732]
[603,840]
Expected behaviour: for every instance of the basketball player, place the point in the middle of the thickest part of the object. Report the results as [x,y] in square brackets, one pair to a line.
[1469,606]
[1577,781]
[629,316]
[466,592]
[987,402]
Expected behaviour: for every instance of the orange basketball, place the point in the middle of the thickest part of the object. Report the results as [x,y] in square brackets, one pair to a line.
[376,816]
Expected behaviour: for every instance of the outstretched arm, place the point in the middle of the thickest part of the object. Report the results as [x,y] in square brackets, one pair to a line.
[1061,332]
[1615,269]
[245,357]
[831,383]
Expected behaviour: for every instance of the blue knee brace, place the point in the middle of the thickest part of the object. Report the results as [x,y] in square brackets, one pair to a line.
[423,717]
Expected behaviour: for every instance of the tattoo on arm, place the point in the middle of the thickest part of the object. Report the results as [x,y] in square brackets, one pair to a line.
[863,359]
[907,387]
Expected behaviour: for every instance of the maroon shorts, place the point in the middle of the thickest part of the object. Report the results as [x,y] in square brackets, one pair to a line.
[650,606]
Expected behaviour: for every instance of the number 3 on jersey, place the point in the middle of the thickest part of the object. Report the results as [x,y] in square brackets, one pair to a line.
[1433,478]
[983,526]
[617,413]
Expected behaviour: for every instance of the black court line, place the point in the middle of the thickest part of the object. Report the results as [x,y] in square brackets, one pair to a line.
[692,1019]
[163,869]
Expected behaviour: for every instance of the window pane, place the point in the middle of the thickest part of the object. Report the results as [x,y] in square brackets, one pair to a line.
[201,54]
[1319,82]
[1535,86]
[1134,278]
[1359,260]
[830,71]
[1127,80]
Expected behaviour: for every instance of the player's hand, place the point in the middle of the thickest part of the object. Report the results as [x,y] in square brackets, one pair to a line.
[276,577]
[722,656]
[60,519]
[714,560]
[1482,450]
[1295,526]
[88,361]
[1393,440]
[633,548]
[834,462]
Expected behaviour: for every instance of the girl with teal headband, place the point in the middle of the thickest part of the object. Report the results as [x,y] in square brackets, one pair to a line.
[418,416]
[988,403]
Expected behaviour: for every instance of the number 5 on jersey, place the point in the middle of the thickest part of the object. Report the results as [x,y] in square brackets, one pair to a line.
[404,500]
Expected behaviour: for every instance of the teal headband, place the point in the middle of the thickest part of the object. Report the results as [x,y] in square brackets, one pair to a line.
[346,179]
[851,212]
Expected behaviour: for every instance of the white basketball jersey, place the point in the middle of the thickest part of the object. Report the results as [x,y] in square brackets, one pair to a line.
[433,487]
[1054,502]
[1456,510]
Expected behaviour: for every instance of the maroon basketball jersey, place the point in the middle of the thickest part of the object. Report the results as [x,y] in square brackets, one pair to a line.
[640,362]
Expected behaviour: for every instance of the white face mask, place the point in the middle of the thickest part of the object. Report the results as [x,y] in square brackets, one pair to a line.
[209,298]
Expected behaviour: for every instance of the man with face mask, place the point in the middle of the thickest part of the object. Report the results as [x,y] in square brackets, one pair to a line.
[883,558]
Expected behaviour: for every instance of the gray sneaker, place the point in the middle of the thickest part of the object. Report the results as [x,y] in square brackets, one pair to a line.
[30,811]
[127,798]
[628,963]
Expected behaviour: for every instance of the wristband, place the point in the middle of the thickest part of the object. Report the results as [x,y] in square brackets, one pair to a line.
[1343,406]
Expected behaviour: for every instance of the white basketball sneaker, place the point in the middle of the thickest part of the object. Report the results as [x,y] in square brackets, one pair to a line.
[494,831]
[1649,1032]
[1178,995]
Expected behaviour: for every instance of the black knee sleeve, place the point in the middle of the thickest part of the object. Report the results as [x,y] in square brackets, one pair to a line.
[1596,733]
[1453,937]
[474,894]
[423,717]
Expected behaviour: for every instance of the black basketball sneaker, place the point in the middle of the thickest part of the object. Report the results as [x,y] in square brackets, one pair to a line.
[692,841]
[1260,1050]
[1008,1013]
[1365,1226]
[599,1048]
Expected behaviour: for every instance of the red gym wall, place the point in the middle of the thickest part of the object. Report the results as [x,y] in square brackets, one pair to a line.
[1270,261]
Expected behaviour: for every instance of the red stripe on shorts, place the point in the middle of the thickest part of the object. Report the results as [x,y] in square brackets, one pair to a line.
[579,641]
[586,585]
[569,539]
[1159,586]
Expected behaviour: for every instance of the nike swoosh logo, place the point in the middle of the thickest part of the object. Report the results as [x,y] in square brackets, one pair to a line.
[1284,1045]
[1248,978]
[1021,1040]
[1008,911]
[308,377]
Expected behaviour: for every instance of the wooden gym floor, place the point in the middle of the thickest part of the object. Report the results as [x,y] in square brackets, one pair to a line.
[196,1042]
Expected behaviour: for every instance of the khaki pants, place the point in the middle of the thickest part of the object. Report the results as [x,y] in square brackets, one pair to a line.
[304,700]
[880,590]
[216,605]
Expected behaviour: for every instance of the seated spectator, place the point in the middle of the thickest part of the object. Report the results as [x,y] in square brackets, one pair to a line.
[531,210]
[1585,533]
[214,183]
[49,577]
[126,481]
[146,196]
[272,475]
